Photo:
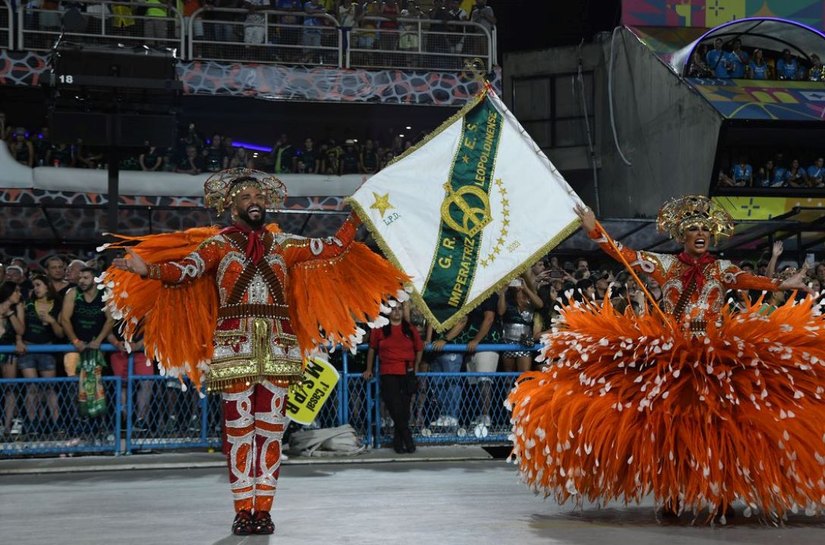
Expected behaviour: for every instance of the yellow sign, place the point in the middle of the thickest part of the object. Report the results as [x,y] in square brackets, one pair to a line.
[723,11]
[306,399]
[754,208]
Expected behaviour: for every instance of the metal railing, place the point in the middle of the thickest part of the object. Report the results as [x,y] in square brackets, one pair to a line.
[151,412]
[264,36]
[419,44]
[66,432]
[259,36]
[6,21]
[87,22]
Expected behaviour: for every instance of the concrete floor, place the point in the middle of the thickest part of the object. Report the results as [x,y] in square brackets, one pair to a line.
[406,502]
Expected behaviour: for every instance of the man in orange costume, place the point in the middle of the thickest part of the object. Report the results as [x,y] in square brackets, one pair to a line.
[264,295]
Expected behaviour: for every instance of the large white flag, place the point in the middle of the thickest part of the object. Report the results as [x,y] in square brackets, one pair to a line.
[468,209]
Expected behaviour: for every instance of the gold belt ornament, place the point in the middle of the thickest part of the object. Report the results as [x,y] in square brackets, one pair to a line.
[257,366]
[260,344]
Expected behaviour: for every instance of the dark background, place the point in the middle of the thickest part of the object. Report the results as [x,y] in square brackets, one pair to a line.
[537,24]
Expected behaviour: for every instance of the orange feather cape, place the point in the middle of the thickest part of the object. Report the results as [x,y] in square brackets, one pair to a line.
[630,409]
[326,298]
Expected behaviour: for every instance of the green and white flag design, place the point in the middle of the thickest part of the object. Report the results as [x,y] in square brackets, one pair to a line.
[468,209]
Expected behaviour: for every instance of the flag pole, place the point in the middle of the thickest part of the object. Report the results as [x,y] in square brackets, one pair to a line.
[629,268]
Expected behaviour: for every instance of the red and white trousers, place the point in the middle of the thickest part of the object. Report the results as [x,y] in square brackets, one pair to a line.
[254,423]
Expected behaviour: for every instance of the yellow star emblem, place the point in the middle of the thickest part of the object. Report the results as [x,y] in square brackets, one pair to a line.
[382,203]
[466,159]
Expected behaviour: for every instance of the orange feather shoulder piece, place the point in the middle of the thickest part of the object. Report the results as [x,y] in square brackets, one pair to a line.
[328,298]
[176,321]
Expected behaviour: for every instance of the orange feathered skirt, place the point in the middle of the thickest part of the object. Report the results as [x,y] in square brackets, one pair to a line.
[626,408]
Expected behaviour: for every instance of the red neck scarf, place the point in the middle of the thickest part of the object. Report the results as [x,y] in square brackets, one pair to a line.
[254,240]
[694,271]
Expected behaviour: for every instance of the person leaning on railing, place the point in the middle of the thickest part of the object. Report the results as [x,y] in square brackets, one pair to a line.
[10,327]
[388,37]
[409,40]
[347,16]
[456,39]
[50,15]
[141,367]
[448,392]
[39,317]
[123,20]
[86,323]
[188,8]
[816,173]
[521,305]
[156,25]
[482,14]
[312,31]
[365,37]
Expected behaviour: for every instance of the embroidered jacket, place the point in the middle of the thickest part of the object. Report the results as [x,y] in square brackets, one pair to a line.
[254,337]
[697,306]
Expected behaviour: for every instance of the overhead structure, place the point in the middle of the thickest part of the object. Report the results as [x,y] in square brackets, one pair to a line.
[767,33]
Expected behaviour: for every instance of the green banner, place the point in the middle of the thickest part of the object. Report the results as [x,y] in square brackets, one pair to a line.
[465,212]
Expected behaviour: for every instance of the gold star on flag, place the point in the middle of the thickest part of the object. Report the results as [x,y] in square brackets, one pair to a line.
[382,203]
[466,158]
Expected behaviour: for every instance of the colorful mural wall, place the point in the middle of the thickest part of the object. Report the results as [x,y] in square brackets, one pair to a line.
[277,82]
[710,13]
[750,99]
[51,219]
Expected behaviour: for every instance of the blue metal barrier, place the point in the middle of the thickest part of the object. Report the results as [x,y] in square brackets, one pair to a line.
[481,417]
[66,432]
[158,414]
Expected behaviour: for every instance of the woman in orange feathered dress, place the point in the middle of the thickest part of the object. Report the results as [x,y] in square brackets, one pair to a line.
[700,406]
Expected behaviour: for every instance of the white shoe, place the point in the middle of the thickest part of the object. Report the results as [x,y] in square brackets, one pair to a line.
[194,423]
[16,426]
[483,420]
[450,421]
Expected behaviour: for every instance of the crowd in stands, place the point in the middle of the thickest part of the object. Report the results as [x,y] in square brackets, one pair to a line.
[195,154]
[731,59]
[775,172]
[367,24]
